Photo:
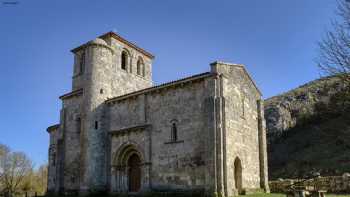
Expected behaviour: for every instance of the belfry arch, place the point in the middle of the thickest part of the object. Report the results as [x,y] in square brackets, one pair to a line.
[128,169]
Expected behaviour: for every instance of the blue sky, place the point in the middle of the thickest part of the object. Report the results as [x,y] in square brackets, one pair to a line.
[275,39]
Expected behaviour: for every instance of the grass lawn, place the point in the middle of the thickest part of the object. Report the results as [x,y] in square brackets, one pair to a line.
[264,195]
[283,195]
[334,195]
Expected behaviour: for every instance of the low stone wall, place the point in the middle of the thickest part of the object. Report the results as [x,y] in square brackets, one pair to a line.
[333,184]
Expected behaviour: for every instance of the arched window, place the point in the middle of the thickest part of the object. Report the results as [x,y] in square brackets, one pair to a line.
[139,68]
[143,70]
[238,175]
[124,60]
[173,131]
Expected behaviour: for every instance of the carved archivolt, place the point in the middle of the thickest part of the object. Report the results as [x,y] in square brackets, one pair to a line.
[124,152]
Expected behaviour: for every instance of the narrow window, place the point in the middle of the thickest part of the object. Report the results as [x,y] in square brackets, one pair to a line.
[53,159]
[82,63]
[96,125]
[78,125]
[173,132]
[243,106]
[143,70]
[130,63]
[124,60]
[52,154]
[138,69]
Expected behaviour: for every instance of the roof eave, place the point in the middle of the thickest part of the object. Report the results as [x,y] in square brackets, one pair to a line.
[71,94]
[52,128]
[165,85]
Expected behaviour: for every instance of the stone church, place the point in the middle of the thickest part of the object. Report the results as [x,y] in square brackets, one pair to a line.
[119,133]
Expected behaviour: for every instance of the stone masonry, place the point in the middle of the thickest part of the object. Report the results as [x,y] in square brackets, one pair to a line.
[118,133]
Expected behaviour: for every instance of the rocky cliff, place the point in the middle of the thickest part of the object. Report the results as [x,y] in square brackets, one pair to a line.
[308,130]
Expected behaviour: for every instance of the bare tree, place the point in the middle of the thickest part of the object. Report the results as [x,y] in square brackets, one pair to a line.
[39,178]
[334,58]
[14,166]
[4,151]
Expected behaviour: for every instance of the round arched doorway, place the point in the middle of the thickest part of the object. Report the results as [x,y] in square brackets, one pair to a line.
[134,173]
[128,169]
[238,174]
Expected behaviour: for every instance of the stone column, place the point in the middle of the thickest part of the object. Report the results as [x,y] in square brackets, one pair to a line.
[264,183]
[119,177]
[113,181]
[145,177]
[219,137]
[117,180]
[125,182]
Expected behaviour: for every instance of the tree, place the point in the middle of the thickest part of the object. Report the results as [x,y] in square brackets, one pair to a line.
[4,150]
[35,182]
[14,167]
[334,48]
[40,180]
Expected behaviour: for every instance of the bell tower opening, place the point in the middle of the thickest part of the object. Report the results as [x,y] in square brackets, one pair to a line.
[124,60]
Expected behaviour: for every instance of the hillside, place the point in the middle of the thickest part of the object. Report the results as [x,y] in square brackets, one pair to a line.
[309,130]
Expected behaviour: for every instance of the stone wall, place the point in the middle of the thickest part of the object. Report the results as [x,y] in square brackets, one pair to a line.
[183,163]
[55,135]
[241,131]
[133,58]
[70,155]
[64,165]
[333,184]
[180,164]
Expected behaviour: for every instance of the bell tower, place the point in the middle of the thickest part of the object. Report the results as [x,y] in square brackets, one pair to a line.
[129,66]
[106,67]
